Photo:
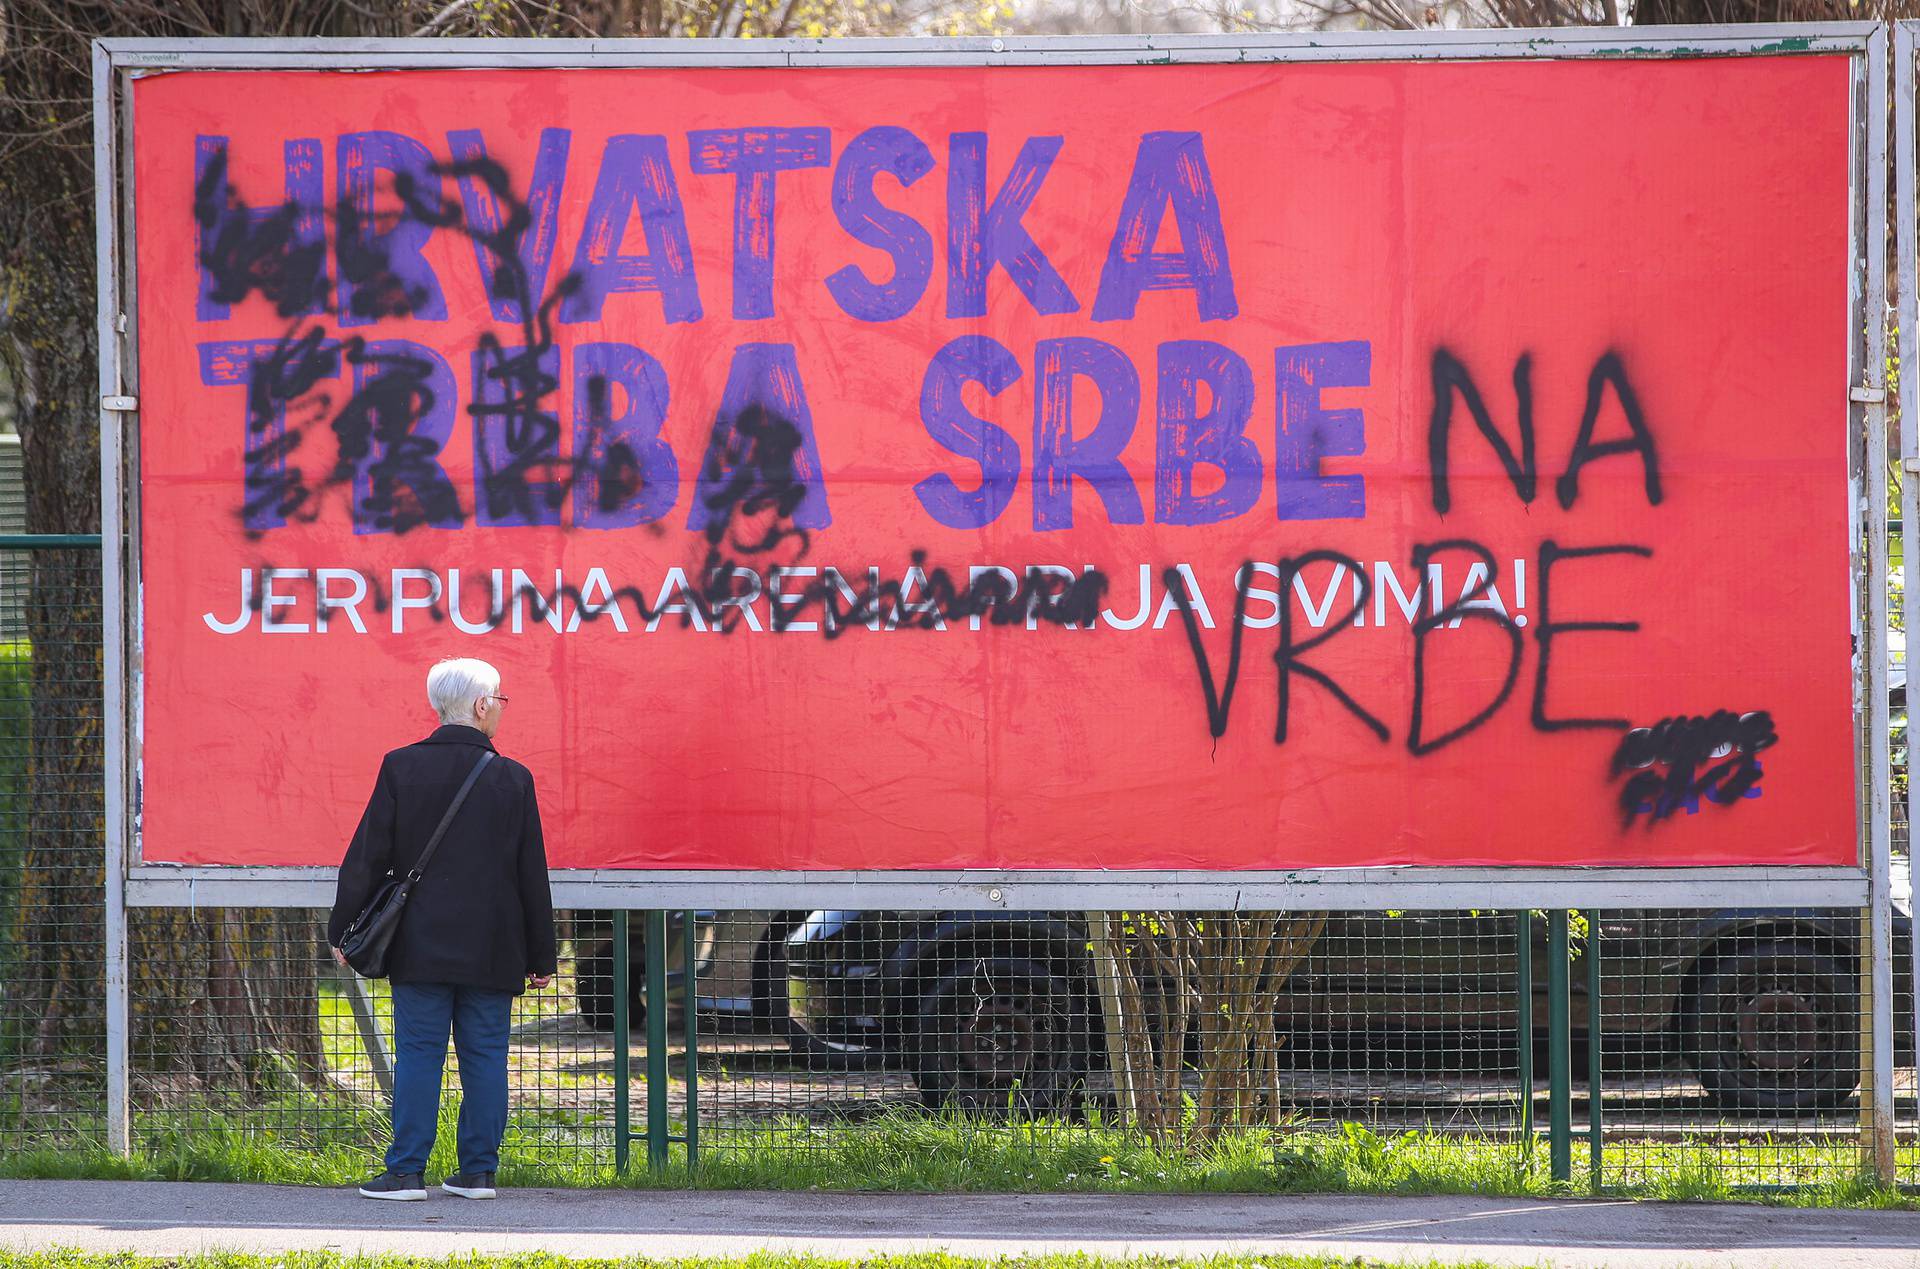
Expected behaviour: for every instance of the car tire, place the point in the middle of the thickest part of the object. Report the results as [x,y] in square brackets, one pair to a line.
[1003,1036]
[593,988]
[1773,1027]
[769,975]
[769,980]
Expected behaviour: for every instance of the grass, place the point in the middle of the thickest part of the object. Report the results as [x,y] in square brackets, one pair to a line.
[917,1152]
[761,1260]
[340,1033]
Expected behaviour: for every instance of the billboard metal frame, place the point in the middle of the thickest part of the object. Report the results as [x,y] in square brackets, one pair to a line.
[1906,189]
[117,62]
[1867,886]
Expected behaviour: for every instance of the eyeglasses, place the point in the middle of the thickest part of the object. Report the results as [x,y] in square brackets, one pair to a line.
[495,696]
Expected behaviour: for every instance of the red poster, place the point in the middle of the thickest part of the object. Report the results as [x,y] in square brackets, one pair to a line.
[1215,467]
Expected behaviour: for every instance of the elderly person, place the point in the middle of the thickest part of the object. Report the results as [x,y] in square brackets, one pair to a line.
[477,929]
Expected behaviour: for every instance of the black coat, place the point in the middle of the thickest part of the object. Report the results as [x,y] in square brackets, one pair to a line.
[481,915]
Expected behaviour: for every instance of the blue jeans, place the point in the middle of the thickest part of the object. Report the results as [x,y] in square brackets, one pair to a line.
[423,1013]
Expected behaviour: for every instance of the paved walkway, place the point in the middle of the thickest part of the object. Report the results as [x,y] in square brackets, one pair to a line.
[163,1219]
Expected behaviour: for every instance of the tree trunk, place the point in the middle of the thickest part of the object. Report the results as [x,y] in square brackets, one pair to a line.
[228,998]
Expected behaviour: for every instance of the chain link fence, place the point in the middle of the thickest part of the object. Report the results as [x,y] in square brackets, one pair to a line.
[1726,1053]
[52,997]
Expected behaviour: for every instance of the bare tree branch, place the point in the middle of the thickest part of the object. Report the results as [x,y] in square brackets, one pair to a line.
[447,13]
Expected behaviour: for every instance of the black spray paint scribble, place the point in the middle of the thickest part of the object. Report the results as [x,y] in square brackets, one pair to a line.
[1678,761]
[374,428]
[754,491]
[1041,595]
[1290,655]
[243,252]
[524,378]
[1520,463]
[1451,378]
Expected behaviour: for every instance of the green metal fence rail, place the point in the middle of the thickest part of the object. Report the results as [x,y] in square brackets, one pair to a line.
[48,541]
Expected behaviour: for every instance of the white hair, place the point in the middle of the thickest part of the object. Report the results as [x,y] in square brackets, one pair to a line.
[455,686]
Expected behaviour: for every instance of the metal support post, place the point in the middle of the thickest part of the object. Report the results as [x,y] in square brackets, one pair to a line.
[622,1044]
[1559,1049]
[1523,950]
[657,1006]
[1595,1139]
[692,1137]
[1868,368]
[1907,326]
[367,1023]
[119,1011]
[112,347]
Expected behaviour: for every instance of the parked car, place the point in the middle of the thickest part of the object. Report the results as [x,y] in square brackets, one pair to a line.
[984,1007]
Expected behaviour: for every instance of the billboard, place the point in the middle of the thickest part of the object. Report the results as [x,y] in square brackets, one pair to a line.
[1243,466]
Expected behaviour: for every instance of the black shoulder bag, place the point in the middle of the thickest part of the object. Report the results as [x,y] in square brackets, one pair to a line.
[369,940]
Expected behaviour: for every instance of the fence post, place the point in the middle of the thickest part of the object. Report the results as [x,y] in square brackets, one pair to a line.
[1559,1048]
[119,1008]
[693,1041]
[657,1007]
[622,1043]
[119,1005]
[1523,948]
[1876,1026]
[1591,950]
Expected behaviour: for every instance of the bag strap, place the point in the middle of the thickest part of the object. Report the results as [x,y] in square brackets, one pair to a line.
[453,808]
